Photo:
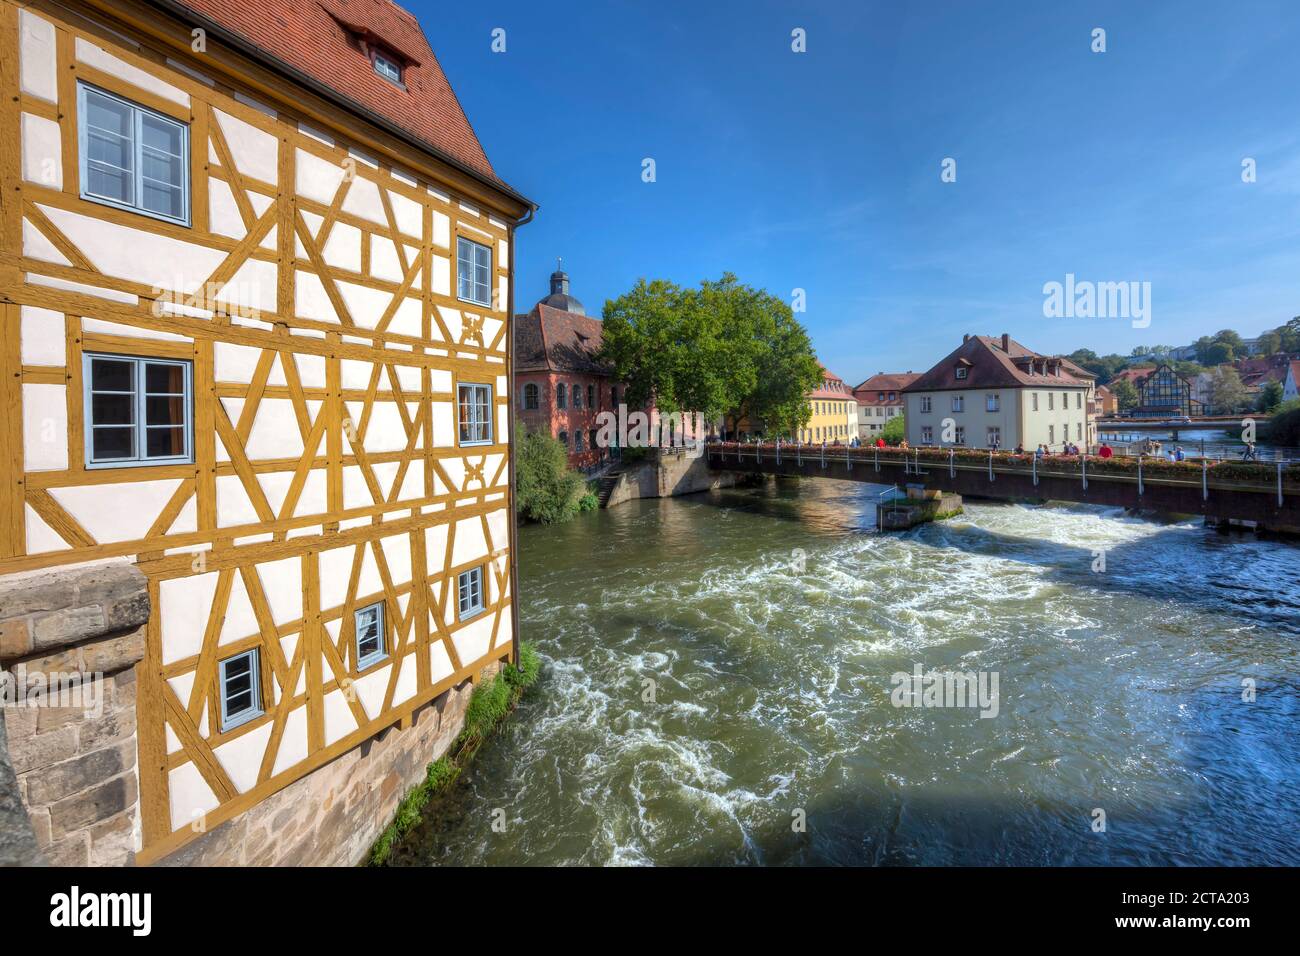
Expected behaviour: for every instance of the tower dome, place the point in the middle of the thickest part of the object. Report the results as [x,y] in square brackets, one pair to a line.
[559,297]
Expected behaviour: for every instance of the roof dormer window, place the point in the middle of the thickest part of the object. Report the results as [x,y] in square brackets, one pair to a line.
[961,371]
[387,67]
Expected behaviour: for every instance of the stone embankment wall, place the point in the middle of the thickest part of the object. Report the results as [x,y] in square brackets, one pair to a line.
[669,472]
[75,766]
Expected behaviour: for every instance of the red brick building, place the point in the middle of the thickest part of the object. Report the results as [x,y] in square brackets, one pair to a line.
[561,385]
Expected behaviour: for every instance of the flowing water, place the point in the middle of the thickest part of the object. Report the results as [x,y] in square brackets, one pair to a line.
[717,689]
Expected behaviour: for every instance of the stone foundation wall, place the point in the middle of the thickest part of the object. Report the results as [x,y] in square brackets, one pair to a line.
[75,765]
[333,816]
[670,473]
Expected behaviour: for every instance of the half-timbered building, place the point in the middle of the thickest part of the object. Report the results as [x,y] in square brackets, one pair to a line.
[255,288]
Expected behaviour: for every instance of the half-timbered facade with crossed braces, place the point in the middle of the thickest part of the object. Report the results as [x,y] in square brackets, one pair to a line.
[255,285]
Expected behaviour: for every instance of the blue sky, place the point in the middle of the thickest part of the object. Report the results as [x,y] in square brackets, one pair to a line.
[821,170]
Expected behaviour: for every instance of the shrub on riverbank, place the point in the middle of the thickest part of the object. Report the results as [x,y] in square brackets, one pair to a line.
[546,490]
[489,705]
[895,430]
[1284,429]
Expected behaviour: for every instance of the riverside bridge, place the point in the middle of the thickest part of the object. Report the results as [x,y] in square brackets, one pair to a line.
[1266,495]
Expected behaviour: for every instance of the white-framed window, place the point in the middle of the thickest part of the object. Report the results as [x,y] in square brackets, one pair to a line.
[927,434]
[241,689]
[473,271]
[995,436]
[132,157]
[961,371]
[959,403]
[959,435]
[137,410]
[387,67]
[369,622]
[474,405]
[469,593]
[992,403]
[1051,401]
[925,403]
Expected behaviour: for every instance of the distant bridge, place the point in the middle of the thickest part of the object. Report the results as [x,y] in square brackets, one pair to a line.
[1174,425]
[1267,495]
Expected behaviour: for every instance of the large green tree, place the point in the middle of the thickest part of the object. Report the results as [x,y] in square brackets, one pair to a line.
[1227,393]
[724,349]
[1126,394]
[1290,335]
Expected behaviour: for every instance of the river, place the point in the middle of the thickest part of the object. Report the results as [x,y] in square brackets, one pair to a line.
[770,622]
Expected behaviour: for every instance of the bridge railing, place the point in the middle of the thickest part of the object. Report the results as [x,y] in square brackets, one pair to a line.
[1280,477]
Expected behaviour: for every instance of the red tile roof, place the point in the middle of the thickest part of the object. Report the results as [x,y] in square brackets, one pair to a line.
[324,40]
[832,386]
[991,367]
[1133,375]
[549,339]
[868,392]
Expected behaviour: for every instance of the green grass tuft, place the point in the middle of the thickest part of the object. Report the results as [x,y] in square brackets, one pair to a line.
[488,706]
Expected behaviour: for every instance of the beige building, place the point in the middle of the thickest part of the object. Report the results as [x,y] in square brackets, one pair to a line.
[879,399]
[995,393]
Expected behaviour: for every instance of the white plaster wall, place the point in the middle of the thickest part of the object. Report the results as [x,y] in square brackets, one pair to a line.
[190,796]
[44,337]
[255,151]
[38,73]
[363,200]
[241,758]
[317,178]
[473,639]
[136,505]
[184,604]
[282,582]
[42,151]
[469,544]
[41,538]
[94,55]
[139,255]
[45,427]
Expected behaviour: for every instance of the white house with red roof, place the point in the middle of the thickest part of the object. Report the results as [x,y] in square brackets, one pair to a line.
[996,393]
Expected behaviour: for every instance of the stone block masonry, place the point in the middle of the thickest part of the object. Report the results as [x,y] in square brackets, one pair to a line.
[73,637]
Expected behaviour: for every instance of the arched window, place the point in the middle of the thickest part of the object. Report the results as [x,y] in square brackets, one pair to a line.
[561,400]
[613,395]
[591,396]
[532,398]
[577,395]
[564,439]
[577,441]
[592,436]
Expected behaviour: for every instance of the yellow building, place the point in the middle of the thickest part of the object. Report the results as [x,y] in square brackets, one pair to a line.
[255,305]
[834,411]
